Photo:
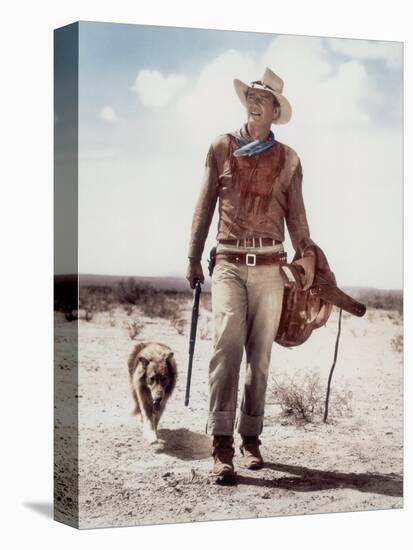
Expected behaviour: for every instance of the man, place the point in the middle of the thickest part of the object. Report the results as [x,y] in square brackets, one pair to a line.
[257,182]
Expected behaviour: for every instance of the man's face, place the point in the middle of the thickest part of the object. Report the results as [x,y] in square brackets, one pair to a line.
[260,106]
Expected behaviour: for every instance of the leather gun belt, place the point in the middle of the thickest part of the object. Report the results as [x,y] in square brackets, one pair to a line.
[251,259]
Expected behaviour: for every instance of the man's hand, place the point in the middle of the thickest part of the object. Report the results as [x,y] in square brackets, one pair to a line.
[308,265]
[194,272]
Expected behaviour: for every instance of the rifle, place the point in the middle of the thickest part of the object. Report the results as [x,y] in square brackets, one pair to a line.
[192,337]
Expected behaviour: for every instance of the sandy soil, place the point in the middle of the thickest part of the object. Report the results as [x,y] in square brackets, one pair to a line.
[352,463]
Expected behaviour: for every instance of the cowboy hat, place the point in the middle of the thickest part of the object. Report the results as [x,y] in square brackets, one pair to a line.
[272,83]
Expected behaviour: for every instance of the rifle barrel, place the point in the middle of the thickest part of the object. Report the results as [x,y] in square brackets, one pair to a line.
[192,338]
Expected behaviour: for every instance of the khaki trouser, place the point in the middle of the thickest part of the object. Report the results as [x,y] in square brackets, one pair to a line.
[246,306]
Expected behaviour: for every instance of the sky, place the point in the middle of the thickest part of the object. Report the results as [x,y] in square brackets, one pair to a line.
[152,99]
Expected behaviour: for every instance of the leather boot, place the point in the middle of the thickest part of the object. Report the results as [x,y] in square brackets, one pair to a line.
[251,456]
[223,453]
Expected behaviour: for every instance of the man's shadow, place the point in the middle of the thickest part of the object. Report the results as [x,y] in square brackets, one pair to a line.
[307,479]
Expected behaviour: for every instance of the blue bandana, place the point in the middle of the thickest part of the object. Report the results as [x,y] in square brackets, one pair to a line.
[251,146]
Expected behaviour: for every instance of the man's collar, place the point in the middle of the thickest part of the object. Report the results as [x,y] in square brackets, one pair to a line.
[246,135]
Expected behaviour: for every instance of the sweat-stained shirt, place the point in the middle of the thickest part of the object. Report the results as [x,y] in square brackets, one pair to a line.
[255,195]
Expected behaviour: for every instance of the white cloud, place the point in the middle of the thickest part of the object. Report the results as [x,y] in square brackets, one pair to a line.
[210,106]
[390,52]
[155,90]
[318,95]
[108,114]
[299,60]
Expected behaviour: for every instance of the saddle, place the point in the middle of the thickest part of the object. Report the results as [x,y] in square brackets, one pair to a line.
[306,310]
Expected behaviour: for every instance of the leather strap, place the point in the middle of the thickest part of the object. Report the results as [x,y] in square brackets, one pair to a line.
[251,242]
[251,260]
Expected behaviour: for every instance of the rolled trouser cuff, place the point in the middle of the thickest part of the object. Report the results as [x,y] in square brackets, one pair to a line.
[250,425]
[221,423]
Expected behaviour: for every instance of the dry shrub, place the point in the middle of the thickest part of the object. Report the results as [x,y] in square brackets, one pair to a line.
[380,299]
[134,328]
[128,308]
[153,303]
[96,298]
[397,343]
[130,292]
[302,399]
[179,324]
[89,315]
[158,304]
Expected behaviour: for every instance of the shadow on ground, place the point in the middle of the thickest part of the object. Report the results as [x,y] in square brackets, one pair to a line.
[43,508]
[184,444]
[307,479]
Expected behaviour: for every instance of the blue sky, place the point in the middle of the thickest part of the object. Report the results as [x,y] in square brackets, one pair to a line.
[151,99]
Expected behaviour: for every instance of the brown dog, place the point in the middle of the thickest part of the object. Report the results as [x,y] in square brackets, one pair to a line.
[152,376]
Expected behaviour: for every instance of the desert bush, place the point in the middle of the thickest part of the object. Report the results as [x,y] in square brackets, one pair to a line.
[128,308]
[179,324]
[96,298]
[157,304]
[397,343]
[134,328]
[379,299]
[160,305]
[152,302]
[127,293]
[130,292]
[299,399]
[89,315]
[302,399]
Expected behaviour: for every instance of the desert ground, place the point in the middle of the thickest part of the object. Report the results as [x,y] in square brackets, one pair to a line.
[352,462]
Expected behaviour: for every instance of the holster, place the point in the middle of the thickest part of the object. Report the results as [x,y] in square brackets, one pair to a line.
[212,260]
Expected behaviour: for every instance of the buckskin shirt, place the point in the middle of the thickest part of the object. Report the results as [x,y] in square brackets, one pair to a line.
[255,195]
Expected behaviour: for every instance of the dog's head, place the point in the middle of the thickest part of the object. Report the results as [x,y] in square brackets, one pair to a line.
[155,368]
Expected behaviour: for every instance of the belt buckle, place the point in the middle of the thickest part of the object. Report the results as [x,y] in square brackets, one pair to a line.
[251,260]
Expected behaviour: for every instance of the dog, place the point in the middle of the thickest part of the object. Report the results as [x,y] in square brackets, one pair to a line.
[152,377]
